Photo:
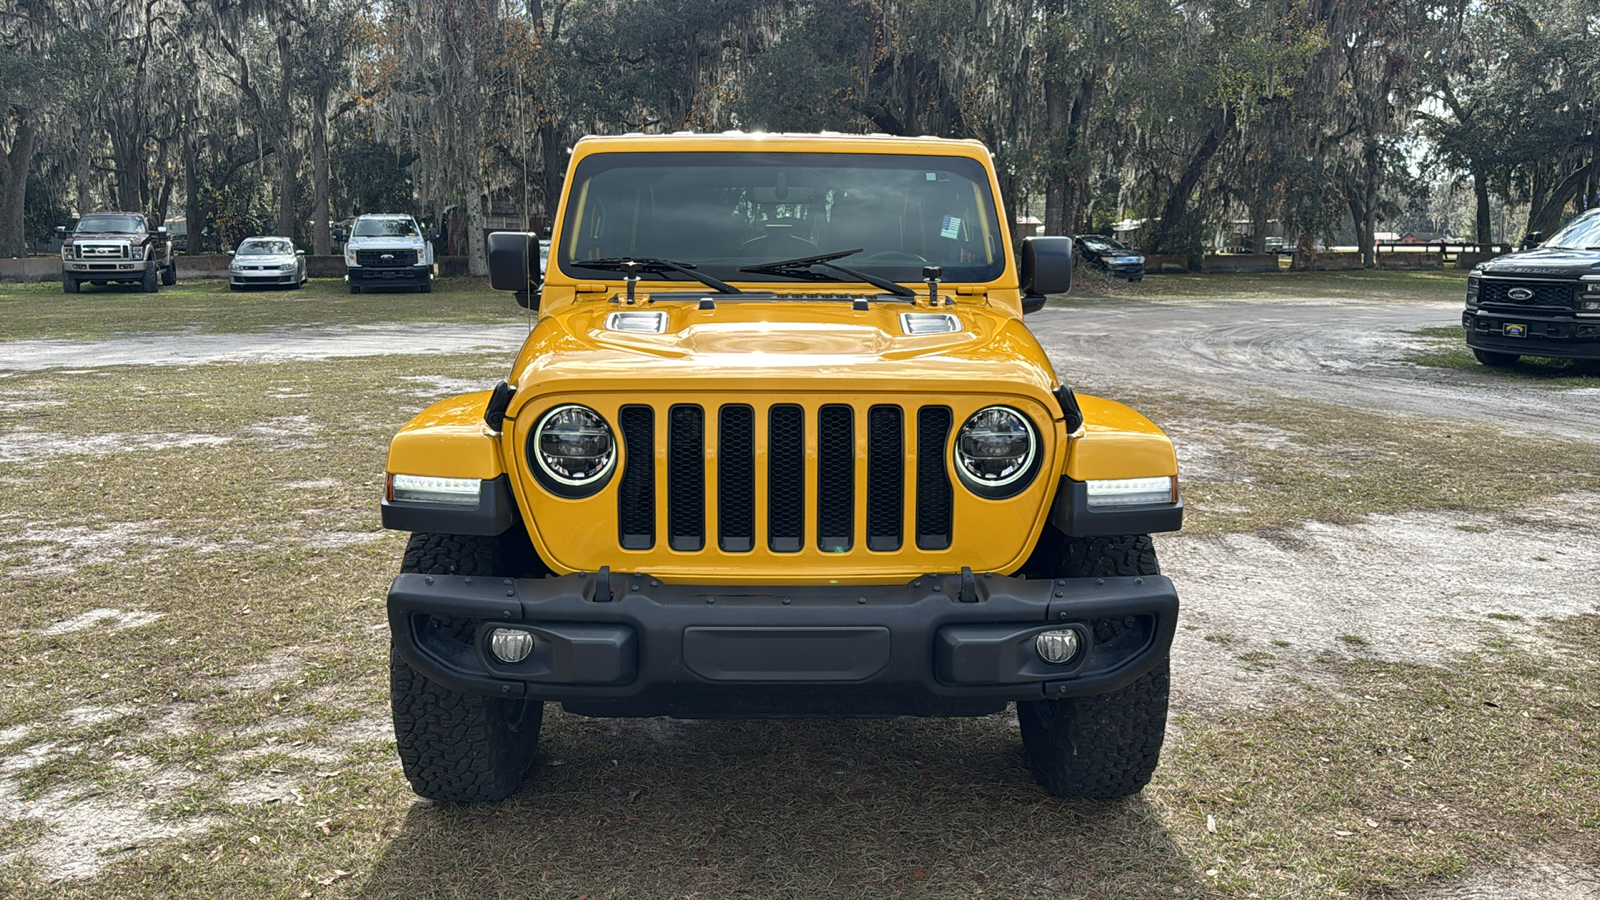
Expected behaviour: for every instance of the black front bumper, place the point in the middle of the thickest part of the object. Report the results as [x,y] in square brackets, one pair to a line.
[1557,337]
[628,645]
[379,276]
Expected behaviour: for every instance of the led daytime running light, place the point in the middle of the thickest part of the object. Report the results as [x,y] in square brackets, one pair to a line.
[1131,491]
[431,489]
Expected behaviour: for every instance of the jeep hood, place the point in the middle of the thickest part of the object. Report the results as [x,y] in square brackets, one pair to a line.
[781,345]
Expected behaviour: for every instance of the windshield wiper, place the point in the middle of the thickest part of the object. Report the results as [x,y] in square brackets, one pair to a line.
[656,266]
[807,267]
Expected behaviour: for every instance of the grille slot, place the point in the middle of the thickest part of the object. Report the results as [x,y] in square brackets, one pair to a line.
[1497,291]
[736,478]
[686,478]
[786,478]
[375,258]
[836,478]
[935,497]
[886,478]
[636,495]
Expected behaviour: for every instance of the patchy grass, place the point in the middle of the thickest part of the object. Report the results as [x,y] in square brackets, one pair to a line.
[1264,465]
[41,310]
[1375,285]
[1445,349]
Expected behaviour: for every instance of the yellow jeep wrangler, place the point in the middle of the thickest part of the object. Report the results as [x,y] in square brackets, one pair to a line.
[780,445]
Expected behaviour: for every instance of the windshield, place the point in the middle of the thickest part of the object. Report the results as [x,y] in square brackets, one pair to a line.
[271,247]
[1581,234]
[111,225]
[1104,244]
[385,228]
[721,211]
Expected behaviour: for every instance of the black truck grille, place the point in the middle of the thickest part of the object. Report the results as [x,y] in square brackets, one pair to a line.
[385,259]
[881,501]
[1514,292]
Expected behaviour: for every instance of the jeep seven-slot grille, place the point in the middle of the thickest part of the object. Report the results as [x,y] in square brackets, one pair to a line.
[886,478]
[686,478]
[935,496]
[379,259]
[636,495]
[838,497]
[736,479]
[786,478]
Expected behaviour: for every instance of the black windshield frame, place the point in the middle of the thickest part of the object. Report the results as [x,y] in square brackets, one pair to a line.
[723,210]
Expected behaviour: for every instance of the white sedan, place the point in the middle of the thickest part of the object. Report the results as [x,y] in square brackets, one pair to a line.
[265,260]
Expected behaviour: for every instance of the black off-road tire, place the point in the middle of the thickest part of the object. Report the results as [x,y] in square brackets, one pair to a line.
[456,747]
[355,288]
[1493,358]
[169,273]
[426,287]
[1104,746]
[151,280]
[69,285]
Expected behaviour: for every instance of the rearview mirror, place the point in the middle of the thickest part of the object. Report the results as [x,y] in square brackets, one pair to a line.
[1046,269]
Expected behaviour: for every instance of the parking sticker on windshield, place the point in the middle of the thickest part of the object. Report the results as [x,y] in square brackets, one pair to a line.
[950,228]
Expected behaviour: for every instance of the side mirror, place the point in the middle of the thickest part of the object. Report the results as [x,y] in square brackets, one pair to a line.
[230,252]
[513,262]
[61,229]
[299,253]
[1046,269]
[161,229]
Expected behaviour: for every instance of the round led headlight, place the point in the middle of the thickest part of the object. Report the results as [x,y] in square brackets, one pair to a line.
[572,450]
[997,452]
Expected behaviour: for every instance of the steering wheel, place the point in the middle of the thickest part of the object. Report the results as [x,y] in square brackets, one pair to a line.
[892,256]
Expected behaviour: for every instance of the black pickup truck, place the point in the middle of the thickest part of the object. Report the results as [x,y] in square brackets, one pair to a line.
[1540,302]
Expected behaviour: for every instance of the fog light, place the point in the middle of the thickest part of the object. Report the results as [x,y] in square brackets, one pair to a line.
[510,645]
[1056,647]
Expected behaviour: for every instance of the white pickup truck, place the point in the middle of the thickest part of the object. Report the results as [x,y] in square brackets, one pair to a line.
[388,250]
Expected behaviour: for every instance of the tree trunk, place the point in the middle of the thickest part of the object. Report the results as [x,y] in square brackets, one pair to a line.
[1480,192]
[1164,238]
[194,219]
[14,185]
[321,240]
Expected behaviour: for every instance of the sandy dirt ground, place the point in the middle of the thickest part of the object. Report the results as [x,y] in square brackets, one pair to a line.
[1410,587]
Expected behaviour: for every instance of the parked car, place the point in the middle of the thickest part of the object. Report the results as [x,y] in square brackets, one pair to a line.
[1110,255]
[1540,302]
[779,445]
[266,260]
[388,250]
[116,246]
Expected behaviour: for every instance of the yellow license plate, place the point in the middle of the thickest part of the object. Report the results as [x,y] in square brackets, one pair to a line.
[1511,330]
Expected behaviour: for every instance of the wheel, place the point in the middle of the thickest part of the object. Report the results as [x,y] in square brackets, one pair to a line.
[150,281]
[1104,746]
[355,288]
[1492,358]
[456,747]
[169,275]
[1136,279]
[69,285]
[426,287]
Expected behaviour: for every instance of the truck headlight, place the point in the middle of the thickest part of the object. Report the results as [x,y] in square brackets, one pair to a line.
[572,450]
[428,489]
[1132,491]
[136,252]
[997,452]
[1472,287]
[349,256]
